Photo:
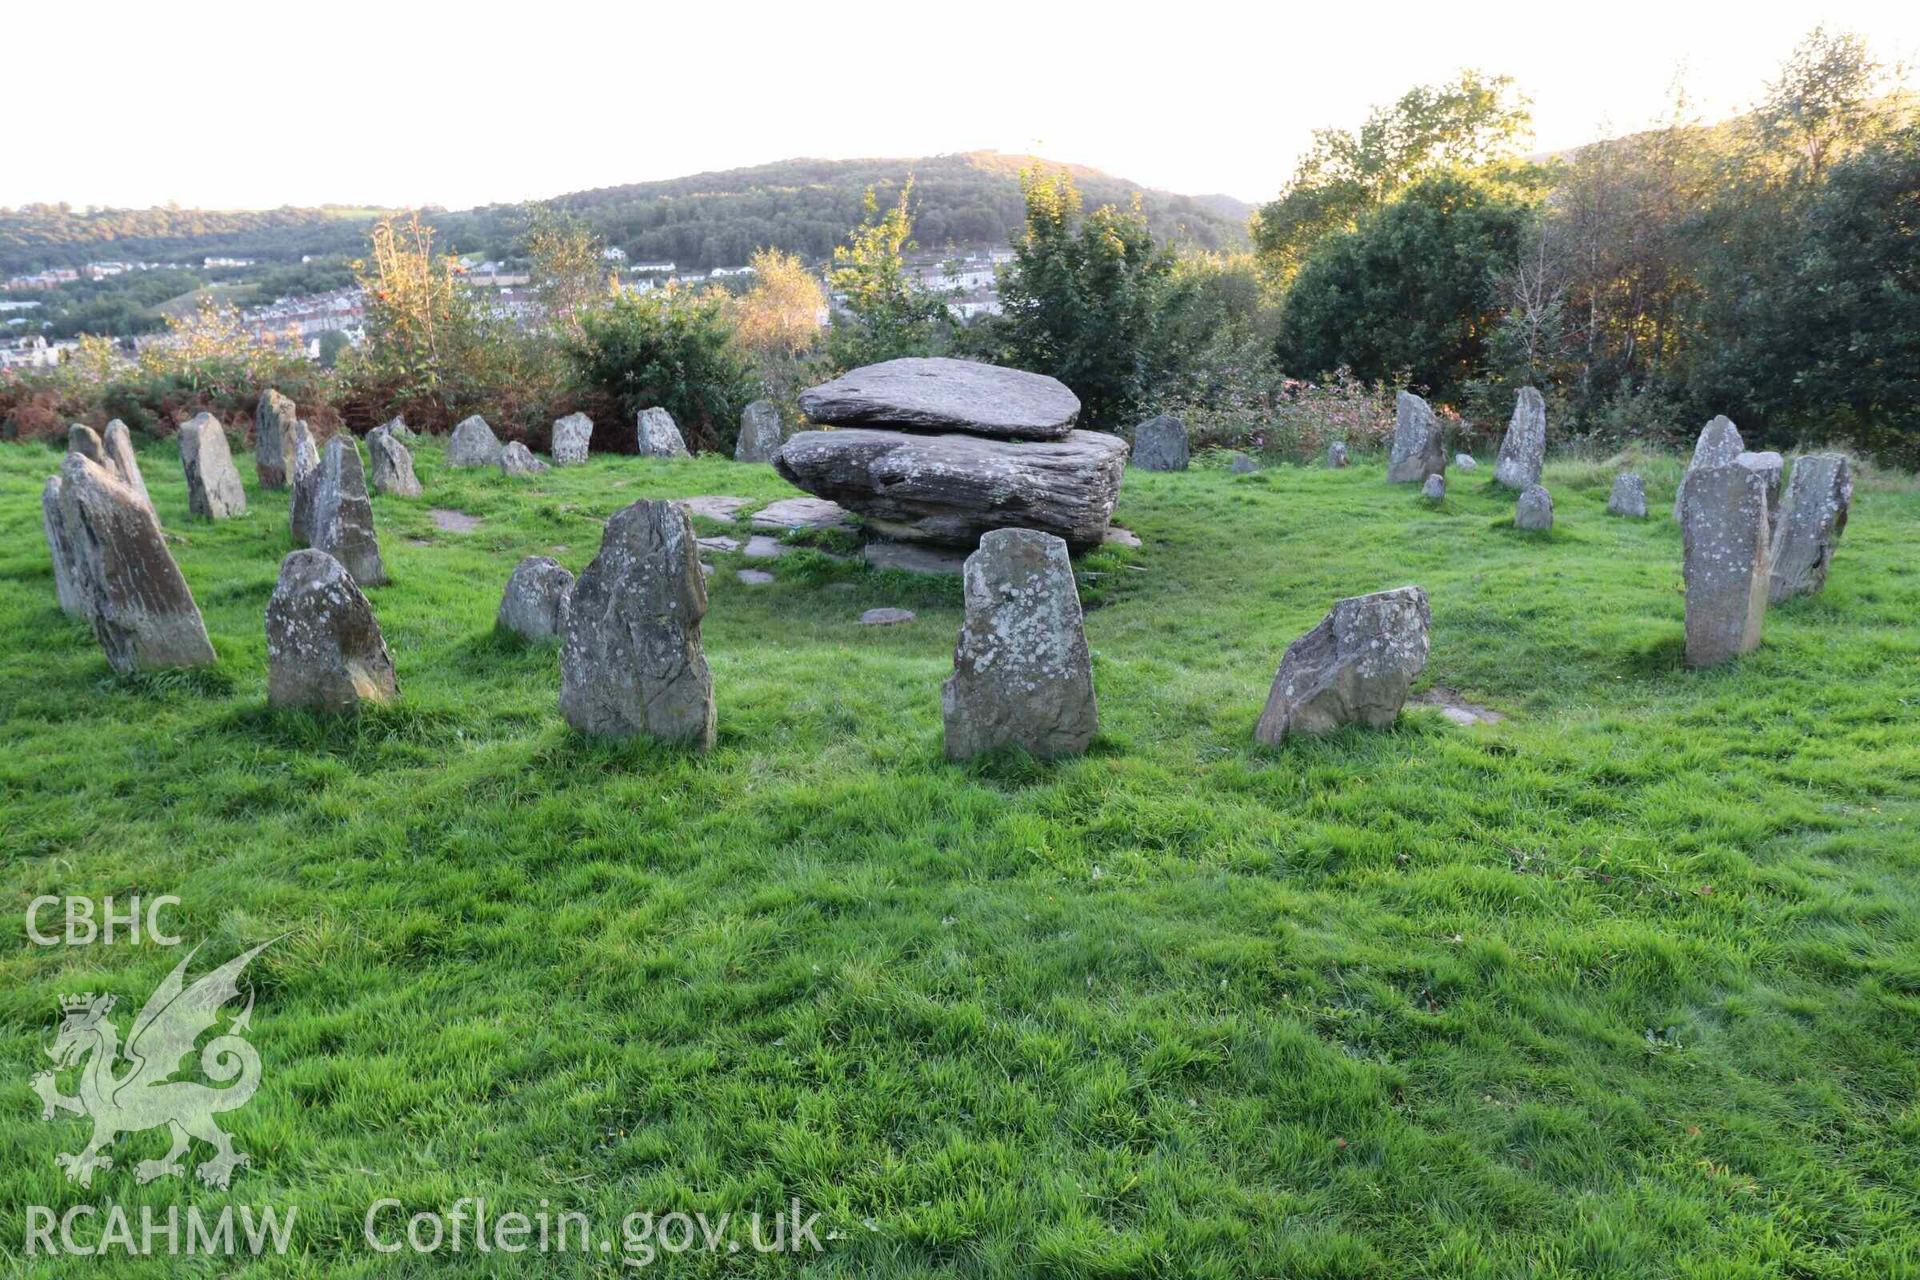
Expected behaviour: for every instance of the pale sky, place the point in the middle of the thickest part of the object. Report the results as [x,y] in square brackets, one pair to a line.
[237,105]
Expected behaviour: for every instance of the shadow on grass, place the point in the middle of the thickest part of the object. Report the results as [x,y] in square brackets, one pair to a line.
[188,682]
[366,732]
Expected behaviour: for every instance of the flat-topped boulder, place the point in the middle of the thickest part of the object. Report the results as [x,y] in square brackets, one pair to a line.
[572,438]
[116,443]
[1435,489]
[1160,444]
[761,433]
[214,491]
[273,420]
[939,394]
[1629,496]
[950,489]
[1812,518]
[1352,669]
[534,604]
[1419,442]
[473,444]
[1724,526]
[324,647]
[391,462]
[340,520]
[1523,450]
[657,435]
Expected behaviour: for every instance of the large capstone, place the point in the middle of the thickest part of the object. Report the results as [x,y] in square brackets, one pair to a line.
[517,461]
[761,433]
[214,491]
[950,489]
[630,658]
[1160,444]
[572,437]
[1022,675]
[1724,524]
[391,463]
[273,420]
[340,520]
[1629,496]
[66,589]
[1354,668]
[117,446]
[1419,442]
[1534,510]
[1719,445]
[657,435]
[473,444]
[534,604]
[1524,449]
[1812,518]
[324,647]
[129,587]
[938,394]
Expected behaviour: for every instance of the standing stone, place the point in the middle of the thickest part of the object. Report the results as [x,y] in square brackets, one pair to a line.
[1242,465]
[396,426]
[273,420]
[1160,444]
[473,444]
[934,393]
[214,491]
[1812,519]
[630,658]
[761,433]
[572,436]
[117,445]
[1466,462]
[1629,496]
[658,436]
[516,460]
[302,454]
[341,516]
[1772,469]
[130,588]
[1337,454]
[1021,671]
[85,441]
[1724,524]
[1719,445]
[1523,451]
[1534,511]
[1419,443]
[324,647]
[1435,488]
[534,604]
[1353,668]
[73,601]
[392,464]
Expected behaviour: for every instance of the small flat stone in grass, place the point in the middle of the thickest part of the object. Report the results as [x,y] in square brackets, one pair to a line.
[454,521]
[886,617]
[754,577]
[762,547]
[716,507]
[720,542]
[803,513]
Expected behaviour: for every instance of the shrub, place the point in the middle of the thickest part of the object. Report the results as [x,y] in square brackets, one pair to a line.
[673,349]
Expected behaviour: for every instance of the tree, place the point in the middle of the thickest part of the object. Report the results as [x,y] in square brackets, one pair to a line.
[779,315]
[566,262]
[1826,101]
[886,313]
[673,349]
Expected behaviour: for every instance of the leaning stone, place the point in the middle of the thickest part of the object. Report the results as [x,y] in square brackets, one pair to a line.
[1337,454]
[1419,442]
[1466,462]
[761,433]
[908,557]
[1354,668]
[1724,525]
[1160,444]
[214,491]
[85,441]
[658,436]
[1435,489]
[324,647]
[1242,465]
[1719,445]
[1812,518]
[516,460]
[572,437]
[534,604]
[1534,511]
[273,420]
[939,394]
[342,516]
[1022,674]
[473,444]
[1524,449]
[129,587]
[886,617]
[1629,496]
[631,661]
[117,445]
[392,463]
[66,590]
[1773,469]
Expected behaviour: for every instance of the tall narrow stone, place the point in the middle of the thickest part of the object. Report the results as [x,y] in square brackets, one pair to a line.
[324,647]
[302,454]
[1419,442]
[630,660]
[1022,675]
[658,436]
[117,444]
[761,433]
[1353,668]
[391,463]
[66,590]
[214,491]
[341,515]
[1812,518]
[85,441]
[273,420]
[1724,523]
[572,438]
[1524,449]
[1718,445]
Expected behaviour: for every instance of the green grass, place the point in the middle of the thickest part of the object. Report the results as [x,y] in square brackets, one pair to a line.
[1626,985]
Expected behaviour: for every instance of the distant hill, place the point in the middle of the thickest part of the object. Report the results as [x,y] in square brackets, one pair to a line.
[705,220]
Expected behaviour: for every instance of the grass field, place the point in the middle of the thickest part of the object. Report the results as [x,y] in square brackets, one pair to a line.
[1627,984]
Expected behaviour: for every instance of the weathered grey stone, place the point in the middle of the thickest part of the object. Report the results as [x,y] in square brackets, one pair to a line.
[341,515]
[1160,444]
[938,394]
[1118,537]
[1523,451]
[1435,489]
[324,647]
[802,513]
[1773,469]
[473,444]
[517,461]
[910,557]
[1466,462]
[886,617]
[762,547]
[1719,445]
[85,441]
[1724,525]
[1337,456]
[571,440]
[631,661]
[1419,442]
[720,542]
[1629,496]
[1022,674]
[952,488]
[1353,668]
[397,427]
[66,589]
[117,445]
[129,587]
[392,463]
[1812,518]
[534,605]
[724,509]
[1534,510]
[303,455]
[214,491]
[273,420]
[754,577]
[1242,465]
[658,436]
[761,433]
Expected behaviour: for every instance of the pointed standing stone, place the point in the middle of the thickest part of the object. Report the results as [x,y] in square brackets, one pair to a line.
[630,660]
[1022,675]
[273,420]
[1337,454]
[473,444]
[1812,518]
[85,441]
[73,601]
[1724,524]
[1718,446]
[572,436]
[341,515]
[658,436]
[214,491]
[761,433]
[534,604]
[1534,511]
[324,647]
[1419,443]
[391,463]
[517,461]
[1524,450]
[117,445]
[1353,668]
[1160,444]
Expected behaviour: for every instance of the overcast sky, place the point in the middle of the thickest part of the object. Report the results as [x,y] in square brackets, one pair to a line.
[258,105]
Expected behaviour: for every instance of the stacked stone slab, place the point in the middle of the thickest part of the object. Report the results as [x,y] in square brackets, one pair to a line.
[1719,445]
[942,451]
[391,462]
[1419,442]
[1022,675]
[572,437]
[473,444]
[273,420]
[214,491]
[1523,452]
[1812,518]
[337,516]
[761,433]
[1353,668]
[324,647]
[1160,444]
[1629,496]
[1724,524]
[534,604]
[657,435]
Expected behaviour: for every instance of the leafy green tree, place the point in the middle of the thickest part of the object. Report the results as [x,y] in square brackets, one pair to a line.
[566,262]
[673,349]
[886,314]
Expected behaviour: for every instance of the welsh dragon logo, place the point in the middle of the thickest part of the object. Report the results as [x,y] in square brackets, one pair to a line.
[127,1090]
